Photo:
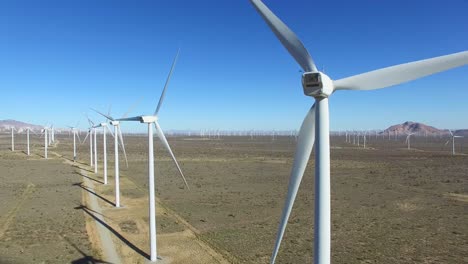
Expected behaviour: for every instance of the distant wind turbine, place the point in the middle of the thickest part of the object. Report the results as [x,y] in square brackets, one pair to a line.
[408,139]
[74,130]
[46,143]
[104,145]
[12,138]
[316,123]
[453,141]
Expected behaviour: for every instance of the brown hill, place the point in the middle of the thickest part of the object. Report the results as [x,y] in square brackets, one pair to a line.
[414,127]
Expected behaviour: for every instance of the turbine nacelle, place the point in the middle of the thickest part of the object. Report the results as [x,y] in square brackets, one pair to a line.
[317,84]
[114,122]
[148,119]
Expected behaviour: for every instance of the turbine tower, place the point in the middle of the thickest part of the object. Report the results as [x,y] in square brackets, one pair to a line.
[151,120]
[104,145]
[12,138]
[316,123]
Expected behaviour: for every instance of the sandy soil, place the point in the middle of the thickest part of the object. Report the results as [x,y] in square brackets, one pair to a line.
[38,219]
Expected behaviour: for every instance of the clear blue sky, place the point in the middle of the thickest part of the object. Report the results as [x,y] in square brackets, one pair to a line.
[59,58]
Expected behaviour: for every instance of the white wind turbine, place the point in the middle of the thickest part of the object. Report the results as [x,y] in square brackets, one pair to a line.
[318,85]
[104,145]
[46,143]
[75,135]
[408,139]
[90,135]
[117,136]
[12,138]
[453,141]
[28,130]
[151,120]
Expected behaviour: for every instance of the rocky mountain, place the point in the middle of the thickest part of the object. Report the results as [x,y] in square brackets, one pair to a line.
[5,125]
[414,127]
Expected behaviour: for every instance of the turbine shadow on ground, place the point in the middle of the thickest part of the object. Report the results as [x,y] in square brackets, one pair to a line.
[117,234]
[78,167]
[80,184]
[80,206]
[86,176]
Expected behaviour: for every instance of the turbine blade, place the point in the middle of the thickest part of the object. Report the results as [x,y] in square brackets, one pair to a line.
[166,144]
[163,94]
[110,131]
[137,102]
[305,143]
[401,73]
[289,40]
[134,118]
[84,140]
[122,145]
[447,142]
[109,111]
[78,135]
[104,115]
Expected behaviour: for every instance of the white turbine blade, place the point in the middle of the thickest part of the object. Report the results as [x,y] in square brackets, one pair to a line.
[165,85]
[104,115]
[110,131]
[457,136]
[87,134]
[401,73]
[91,123]
[122,145]
[166,144]
[135,104]
[447,142]
[289,40]
[305,143]
[450,132]
[134,118]
[109,111]
[78,135]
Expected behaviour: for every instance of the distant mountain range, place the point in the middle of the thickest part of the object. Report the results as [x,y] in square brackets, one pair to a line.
[5,125]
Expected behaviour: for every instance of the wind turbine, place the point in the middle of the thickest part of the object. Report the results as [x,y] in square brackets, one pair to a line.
[151,120]
[90,134]
[45,131]
[117,136]
[316,123]
[408,137]
[28,129]
[104,145]
[12,138]
[75,134]
[453,141]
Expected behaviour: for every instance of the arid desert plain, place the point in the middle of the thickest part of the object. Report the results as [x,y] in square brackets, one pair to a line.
[389,204]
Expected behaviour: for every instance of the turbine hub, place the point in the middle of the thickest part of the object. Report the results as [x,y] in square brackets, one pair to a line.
[317,84]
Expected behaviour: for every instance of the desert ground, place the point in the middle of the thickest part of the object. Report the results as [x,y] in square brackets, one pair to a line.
[389,204]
